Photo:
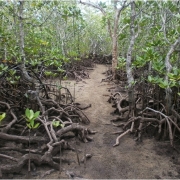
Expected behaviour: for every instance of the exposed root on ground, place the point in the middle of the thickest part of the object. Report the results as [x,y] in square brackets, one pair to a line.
[149,112]
[42,144]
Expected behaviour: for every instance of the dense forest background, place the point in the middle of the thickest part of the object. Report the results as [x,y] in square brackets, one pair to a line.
[53,32]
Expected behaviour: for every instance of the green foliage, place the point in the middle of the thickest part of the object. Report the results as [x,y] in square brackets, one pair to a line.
[65,78]
[48,73]
[175,75]
[126,20]
[122,36]
[102,4]
[59,86]
[133,83]
[58,32]
[159,66]
[30,117]
[106,18]
[121,63]
[57,123]
[72,54]
[2,116]
[60,70]
[165,84]
[12,78]
[34,62]
[12,72]
[70,11]
[139,62]
[3,68]
[161,82]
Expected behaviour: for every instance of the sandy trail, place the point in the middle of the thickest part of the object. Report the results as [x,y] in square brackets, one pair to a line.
[149,159]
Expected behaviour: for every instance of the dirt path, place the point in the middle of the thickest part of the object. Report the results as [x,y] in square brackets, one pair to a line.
[149,159]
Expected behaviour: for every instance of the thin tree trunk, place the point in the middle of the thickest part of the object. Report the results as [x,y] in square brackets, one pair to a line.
[21,43]
[114,55]
[21,33]
[129,58]
[115,40]
[5,44]
[15,24]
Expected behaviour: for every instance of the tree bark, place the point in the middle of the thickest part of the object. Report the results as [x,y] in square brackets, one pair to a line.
[129,58]
[114,36]
[21,43]
[115,40]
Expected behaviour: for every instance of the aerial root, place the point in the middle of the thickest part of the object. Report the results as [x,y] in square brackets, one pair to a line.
[120,136]
[141,121]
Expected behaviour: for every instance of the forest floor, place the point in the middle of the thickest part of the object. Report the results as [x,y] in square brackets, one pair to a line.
[149,159]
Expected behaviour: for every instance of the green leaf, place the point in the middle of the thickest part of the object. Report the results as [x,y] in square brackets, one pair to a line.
[36,114]
[150,78]
[26,95]
[171,75]
[29,126]
[172,84]
[55,123]
[133,83]
[27,113]
[178,15]
[32,123]
[36,125]
[5,68]
[65,78]
[163,84]
[31,114]
[17,77]
[122,36]
[102,4]
[2,116]
[48,73]
[61,70]
[13,82]
[59,87]
[175,71]
[127,20]
[62,125]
